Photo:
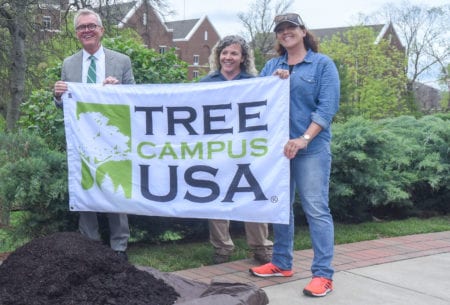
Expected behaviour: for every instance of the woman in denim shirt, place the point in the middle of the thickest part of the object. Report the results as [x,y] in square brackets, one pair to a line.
[314,100]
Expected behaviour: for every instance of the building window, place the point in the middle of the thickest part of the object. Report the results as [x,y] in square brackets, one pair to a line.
[196,59]
[162,49]
[195,74]
[206,35]
[47,22]
[144,19]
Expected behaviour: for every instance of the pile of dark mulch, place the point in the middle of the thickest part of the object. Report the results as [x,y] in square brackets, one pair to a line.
[69,269]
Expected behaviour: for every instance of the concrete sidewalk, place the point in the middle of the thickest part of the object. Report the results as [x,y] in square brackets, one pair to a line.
[418,281]
[407,270]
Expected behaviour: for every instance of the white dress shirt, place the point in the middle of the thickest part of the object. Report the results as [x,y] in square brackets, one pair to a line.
[99,65]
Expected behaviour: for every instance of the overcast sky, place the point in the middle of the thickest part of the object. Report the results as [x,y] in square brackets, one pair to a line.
[315,13]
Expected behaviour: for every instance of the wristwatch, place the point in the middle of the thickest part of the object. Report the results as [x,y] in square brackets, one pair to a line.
[307,137]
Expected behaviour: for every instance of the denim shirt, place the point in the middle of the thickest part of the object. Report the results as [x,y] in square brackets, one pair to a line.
[314,96]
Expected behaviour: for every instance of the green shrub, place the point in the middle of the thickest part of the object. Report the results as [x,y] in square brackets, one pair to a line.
[384,168]
[34,179]
[431,193]
[40,115]
[149,66]
[2,123]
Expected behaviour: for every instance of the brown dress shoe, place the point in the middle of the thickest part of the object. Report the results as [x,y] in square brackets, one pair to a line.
[220,258]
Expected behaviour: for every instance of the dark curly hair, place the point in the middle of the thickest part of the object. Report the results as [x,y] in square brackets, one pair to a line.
[248,65]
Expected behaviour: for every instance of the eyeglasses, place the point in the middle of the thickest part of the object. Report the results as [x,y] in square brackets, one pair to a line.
[87,27]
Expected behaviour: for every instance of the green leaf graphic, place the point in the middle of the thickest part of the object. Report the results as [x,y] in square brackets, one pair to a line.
[87,181]
[120,170]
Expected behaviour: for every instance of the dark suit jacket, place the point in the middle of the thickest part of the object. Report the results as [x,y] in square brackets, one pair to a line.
[116,64]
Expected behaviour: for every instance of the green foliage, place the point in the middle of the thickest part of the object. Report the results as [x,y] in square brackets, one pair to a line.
[34,179]
[150,66]
[380,166]
[431,163]
[39,114]
[260,59]
[443,116]
[445,101]
[372,82]
[2,123]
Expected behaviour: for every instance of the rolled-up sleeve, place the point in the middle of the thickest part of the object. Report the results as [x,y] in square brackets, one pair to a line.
[328,93]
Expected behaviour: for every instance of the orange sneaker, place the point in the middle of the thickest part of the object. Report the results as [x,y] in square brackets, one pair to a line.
[269,270]
[318,287]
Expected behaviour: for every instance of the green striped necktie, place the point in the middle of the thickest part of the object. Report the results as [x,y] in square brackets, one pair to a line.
[92,76]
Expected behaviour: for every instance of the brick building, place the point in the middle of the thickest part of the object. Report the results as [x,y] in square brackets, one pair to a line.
[192,39]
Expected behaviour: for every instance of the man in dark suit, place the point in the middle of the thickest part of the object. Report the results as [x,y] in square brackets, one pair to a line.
[110,68]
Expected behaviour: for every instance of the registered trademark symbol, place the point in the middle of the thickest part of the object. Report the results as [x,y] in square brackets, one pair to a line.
[274,199]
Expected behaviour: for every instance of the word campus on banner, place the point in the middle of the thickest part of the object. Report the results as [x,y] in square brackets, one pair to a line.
[198,150]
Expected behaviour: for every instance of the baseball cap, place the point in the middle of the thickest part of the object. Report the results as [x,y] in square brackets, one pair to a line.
[291,18]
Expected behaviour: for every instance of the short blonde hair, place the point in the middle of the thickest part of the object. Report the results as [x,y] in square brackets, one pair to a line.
[84,12]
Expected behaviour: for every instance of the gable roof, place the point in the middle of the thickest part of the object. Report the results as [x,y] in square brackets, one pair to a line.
[182,29]
[382,31]
[125,11]
[328,33]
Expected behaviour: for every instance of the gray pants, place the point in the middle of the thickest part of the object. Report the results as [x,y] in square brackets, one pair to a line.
[256,234]
[119,231]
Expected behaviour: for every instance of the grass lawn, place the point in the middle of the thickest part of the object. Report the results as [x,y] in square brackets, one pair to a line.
[173,256]
[178,256]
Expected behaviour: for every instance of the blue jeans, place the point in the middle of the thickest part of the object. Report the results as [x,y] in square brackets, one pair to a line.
[310,175]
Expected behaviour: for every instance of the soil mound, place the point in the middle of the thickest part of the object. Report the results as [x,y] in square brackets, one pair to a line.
[69,269]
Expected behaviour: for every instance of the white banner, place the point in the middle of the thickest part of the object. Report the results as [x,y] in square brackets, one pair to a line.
[206,150]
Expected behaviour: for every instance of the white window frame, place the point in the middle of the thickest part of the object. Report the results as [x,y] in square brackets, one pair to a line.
[47,22]
[144,19]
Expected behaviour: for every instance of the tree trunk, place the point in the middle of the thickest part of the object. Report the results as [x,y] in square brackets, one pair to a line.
[4,215]
[18,68]
[448,96]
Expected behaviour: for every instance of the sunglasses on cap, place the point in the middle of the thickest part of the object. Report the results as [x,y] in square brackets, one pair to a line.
[291,18]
